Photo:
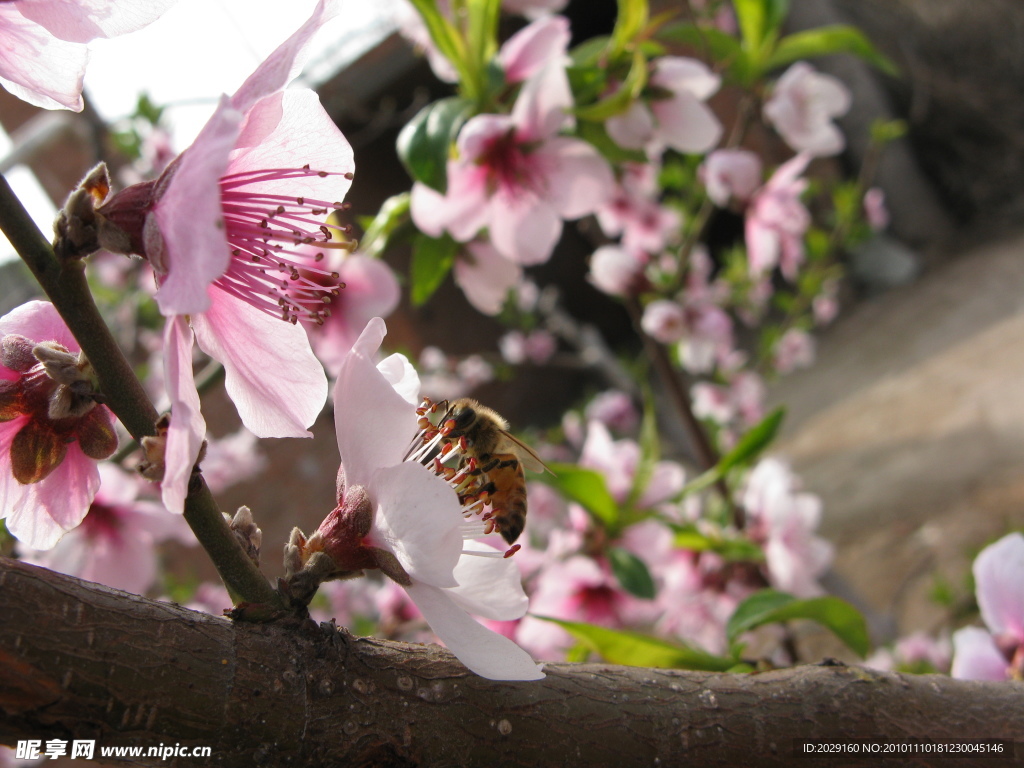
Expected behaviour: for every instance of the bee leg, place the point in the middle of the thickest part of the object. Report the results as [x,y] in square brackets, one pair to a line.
[507,463]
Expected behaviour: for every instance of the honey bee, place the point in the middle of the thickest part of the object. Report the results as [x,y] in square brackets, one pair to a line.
[499,456]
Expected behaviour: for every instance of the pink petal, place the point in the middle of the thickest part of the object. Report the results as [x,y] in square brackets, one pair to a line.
[285,63]
[486,653]
[80,21]
[39,321]
[633,128]
[188,428]
[762,246]
[37,67]
[429,209]
[682,75]
[999,580]
[375,424]
[489,587]
[40,513]
[579,179]
[976,657]
[291,130]
[467,211]
[523,228]
[542,107]
[191,218]
[418,519]
[686,124]
[486,277]
[272,375]
[531,48]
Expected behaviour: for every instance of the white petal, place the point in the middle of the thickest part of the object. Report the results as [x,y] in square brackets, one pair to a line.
[486,653]
[375,424]
[490,587]
[418,519]
[402,376]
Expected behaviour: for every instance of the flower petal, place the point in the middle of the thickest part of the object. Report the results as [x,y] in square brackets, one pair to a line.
[999,580]
[39,321]
[686,123]
[285,63]
[531,48]
[272,375]
[976,657]
[542,107]
[188,428]
[579,180]
[486,653]
[40,513]
[290,130]
[80,21]
[490,587]
[191,219]
[523,227]
[486,277]
[402,376]
[375,424]
[418,519]
[37,67]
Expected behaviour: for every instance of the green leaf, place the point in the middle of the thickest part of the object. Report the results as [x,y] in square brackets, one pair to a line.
[752,18]
[631,572]
[424,142]
[444,35]
[638,650]
[769,607]
[823,41]
[620,100]
[393,213]
[483,31]
[588,53]
[753,442]
[432,259]
[596,134]
[586,487]
[631,20]
[721,46]
[731,549]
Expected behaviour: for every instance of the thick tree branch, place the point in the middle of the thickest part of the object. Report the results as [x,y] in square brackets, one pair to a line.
[82,661]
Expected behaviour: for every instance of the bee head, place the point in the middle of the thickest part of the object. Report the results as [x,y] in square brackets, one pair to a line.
[464,417]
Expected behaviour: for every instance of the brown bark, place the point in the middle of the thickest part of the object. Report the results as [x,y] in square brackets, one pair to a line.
[82,661]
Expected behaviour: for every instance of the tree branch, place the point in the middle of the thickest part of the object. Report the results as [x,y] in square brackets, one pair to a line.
[82,661]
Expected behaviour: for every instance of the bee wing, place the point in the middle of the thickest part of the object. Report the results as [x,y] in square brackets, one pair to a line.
[527,455]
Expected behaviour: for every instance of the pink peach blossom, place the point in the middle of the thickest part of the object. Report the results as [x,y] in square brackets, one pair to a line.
[802,106]
[777,220]
[371,290]
[783,520]
[998,653]
[51,435]
[223,227]
[730,174]
[676,115]
[515,176]
[617,271]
